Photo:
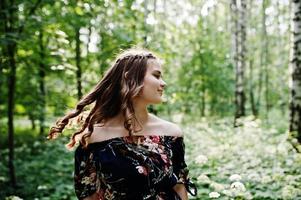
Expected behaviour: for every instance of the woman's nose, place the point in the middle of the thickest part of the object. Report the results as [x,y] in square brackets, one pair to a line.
[163,84]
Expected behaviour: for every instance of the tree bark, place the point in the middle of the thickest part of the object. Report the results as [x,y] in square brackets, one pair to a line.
[146,13]
[265,49]
[32,120]
[1,74]
[9,19]
[295,100]
[42,74]
[251,81]
[10,110]
[239,39]
[2,52]
[203,89]
[263,64]
[78,66]
[252,98]
[243,53]
[203,102]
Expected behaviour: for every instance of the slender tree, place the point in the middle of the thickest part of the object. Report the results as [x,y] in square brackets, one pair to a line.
[263,61]
[78,63]
[295,100]
[42,74]
[243,51]
[265,49]
[238,9]
[251,92]
[146,13]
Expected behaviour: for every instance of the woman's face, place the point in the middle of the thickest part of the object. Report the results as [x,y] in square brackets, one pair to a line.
[153,84]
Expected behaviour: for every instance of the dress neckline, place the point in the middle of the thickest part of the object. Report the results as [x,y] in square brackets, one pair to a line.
[135,136]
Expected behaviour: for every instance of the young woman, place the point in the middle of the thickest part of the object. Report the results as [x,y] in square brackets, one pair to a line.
[125,152]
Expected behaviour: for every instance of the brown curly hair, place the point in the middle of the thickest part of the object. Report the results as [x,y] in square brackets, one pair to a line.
[112,94]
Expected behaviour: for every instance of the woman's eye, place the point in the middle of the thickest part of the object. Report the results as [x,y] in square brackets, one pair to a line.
[157,76]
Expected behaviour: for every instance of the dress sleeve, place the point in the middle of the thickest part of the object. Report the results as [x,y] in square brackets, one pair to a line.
[180,168]
[85,175]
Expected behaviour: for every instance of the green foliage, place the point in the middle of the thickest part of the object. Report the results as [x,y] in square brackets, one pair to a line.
[249,162]
[195,48]
[43,168]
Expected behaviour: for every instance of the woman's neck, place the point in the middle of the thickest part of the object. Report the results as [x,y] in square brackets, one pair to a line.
[142,115]
[142,118]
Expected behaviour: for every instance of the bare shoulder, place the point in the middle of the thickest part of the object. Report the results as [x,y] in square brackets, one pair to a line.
[101,133]
[169,128]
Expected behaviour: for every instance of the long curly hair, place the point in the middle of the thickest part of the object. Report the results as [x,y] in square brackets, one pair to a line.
[112,94]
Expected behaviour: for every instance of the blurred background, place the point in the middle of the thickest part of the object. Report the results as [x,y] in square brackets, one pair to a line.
[230,67]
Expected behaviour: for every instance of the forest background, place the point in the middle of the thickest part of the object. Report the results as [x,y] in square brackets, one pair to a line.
[233,86]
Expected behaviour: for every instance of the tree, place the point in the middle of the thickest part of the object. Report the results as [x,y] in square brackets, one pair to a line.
[42,74]
[13,28]
[264,61]
[239,38]
[295,100]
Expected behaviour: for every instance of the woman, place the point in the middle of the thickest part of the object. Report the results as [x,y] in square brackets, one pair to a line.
[124,151]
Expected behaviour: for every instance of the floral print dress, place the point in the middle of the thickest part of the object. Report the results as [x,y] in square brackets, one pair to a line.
[144,167]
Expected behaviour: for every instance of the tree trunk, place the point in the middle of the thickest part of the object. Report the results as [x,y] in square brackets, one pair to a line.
[281,57]
[203,107]
[239,39]
[10,50]
[203,101]
[78,67]
[295,101]
[102,64]
[89,40]
[10,111]
[263,63]
[243,53]
[290,8]
[146,12]
[252,99]
[32,120]
[42,73]
[279,39]
[3,54]
[265,49]
[251,80]
[2,77]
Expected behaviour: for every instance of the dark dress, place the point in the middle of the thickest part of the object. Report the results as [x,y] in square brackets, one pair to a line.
[133,168]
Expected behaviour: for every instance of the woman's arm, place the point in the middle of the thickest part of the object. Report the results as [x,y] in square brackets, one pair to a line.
[181,190]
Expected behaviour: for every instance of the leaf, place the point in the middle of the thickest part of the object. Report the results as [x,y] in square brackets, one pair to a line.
[78,10]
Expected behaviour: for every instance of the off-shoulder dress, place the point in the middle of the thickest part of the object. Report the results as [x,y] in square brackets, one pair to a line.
[140,167]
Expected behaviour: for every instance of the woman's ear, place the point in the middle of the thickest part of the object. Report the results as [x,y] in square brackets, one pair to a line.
[126,75]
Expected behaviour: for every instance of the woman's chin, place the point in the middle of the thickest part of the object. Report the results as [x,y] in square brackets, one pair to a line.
[158,101]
